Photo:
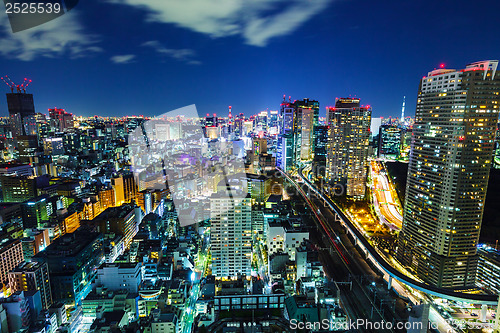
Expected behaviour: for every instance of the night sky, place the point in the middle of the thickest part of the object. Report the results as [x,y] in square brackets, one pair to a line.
[122,57]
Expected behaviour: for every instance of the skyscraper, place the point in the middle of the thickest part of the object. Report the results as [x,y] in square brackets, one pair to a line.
[231,235]
[390,138]
[450,160]
[305,121]
[296,122]
[320,142]
[347,148]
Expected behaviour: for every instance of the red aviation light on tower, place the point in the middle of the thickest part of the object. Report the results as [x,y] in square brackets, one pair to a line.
[441,66]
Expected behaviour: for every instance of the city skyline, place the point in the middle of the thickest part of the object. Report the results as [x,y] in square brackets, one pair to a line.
[170,63]
[236,166]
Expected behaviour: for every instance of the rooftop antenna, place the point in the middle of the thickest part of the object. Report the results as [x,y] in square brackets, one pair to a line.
[7,83]
[403,110]
[20,88]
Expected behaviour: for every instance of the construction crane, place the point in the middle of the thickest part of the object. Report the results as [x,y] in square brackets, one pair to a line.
[20,88]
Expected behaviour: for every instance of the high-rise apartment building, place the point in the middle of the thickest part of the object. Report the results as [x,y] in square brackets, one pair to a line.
[231,234]
[347,148]
[30,276]
[450,161]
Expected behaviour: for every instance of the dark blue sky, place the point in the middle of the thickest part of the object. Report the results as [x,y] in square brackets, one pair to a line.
[116,57]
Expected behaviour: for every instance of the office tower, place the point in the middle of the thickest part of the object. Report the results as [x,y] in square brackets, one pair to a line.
[450,160]
[27,146]
[21,188]
[34,241]
[488,269]
[286,117]
[231,234]
[304,133]
[238,124]
[124,187]
[307,103]
[36,211]
[16,311]
[405,148]
[30,276]
[213,132]
[211,121]
[42,126]
[402,120]
[272,122]
[73,260]
[375,126]
[347,149]
[53,146]
[306,121]
[259,146]
[285,152]
[11,252]
[230,126]
[60,120]
[320,143]
[261,121]
[21,110]
[496,153]
[120,276]
[390,140]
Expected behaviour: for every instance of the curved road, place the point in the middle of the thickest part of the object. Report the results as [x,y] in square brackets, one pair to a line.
[385,197]
[393,272]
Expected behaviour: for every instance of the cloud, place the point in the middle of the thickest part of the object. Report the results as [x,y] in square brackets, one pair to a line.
[257,21]
[122,59]
[61,36]
[178,54]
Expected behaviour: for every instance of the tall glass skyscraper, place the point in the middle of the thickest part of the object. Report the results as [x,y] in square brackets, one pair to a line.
[450,161]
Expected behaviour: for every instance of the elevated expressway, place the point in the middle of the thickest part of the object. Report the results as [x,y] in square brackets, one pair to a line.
[384,267]
[384,197]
